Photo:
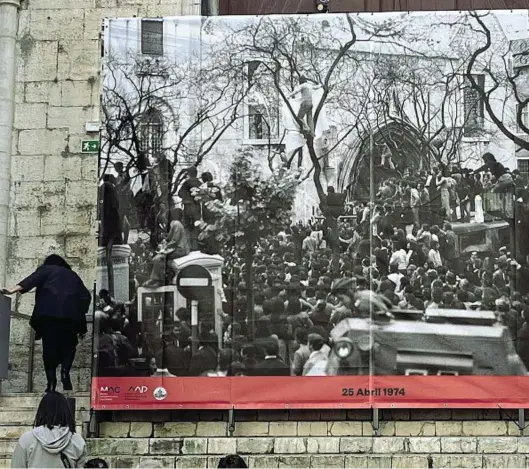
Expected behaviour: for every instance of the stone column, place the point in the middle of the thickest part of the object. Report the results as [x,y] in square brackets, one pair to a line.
[120,266]
[8,40]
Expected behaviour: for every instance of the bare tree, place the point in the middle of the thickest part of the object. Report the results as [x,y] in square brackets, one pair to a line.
[161,116]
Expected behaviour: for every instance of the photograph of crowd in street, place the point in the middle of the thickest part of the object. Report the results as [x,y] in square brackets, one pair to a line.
[314,196]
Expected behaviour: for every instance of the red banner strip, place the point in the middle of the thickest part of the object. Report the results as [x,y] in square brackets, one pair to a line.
[328,392]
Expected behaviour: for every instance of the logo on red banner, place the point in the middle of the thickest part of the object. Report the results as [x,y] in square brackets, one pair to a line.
[137,393]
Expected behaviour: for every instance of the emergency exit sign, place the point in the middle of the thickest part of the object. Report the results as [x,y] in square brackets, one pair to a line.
[89,146]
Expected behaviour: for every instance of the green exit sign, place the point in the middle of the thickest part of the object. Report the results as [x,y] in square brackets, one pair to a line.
[89,146]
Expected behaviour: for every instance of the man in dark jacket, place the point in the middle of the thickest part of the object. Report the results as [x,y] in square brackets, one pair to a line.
[272,365]
[59,317]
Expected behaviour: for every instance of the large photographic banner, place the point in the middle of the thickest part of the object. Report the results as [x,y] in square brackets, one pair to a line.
[314,211]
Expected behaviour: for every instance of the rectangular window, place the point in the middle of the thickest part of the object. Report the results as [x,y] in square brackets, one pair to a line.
[525,116]
[474,106]
[152,37]
[262,123]
[523,167]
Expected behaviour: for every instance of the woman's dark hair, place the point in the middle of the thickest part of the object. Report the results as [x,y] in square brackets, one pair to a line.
[55,411]
[97,462]
[232,460]
[56,260]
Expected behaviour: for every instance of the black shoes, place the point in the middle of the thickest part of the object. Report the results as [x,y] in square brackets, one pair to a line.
[52,381]
[66,381]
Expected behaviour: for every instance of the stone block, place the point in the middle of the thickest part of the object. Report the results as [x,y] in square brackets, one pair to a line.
[415,428]
[123,461]
[283,428]
[37,59]
[42,142]
[78,60]
[13,431]
[312,428]
[264,461]
[356,445]
[448,428]
[384,428]
[345,428]
[140,429]
[48,92]
[72,118]
[356,461]
[251,429]
[157,462]
[190,462]
[327,461]
[503,460]
[25,223]
[89,170]
[60,4]
[389,445]
[377,462]
[484,428]
[290,446]
[394,414]
[114,429]
[79,93]
[118,446]
[506,444]
[27,168]
[323,445]
[523,444]
[409,461]
[301,462]
[80,246]
[424,445]
[255,445]
[459,444]
[30,116]
[457,460]
[166,446]
[50,25]
[212,429]
[431,414]
[220,446]
[174,429]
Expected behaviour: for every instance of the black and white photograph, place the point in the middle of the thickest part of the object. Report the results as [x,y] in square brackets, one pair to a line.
[314,195]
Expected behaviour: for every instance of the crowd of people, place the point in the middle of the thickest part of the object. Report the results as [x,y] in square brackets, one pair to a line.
[401,245]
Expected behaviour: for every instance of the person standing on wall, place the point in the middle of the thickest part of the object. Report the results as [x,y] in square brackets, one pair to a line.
[59,317]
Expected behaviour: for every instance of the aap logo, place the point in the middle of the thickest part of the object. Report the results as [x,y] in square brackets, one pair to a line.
[138,389]
[110,389]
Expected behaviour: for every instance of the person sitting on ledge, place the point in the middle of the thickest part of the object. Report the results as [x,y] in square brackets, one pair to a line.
[177,245]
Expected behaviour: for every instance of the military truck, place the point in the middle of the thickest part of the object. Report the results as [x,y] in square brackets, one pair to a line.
[433,342]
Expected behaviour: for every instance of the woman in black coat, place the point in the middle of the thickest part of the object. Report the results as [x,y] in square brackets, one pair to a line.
[59,317]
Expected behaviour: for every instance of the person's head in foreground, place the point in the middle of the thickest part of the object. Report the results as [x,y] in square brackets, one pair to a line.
[96,462]
[232,460]
[53,441]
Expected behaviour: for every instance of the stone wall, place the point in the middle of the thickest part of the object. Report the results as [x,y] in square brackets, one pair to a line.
[400,444]
[54,186]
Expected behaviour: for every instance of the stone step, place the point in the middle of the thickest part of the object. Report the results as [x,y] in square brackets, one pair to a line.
[32,400]
[26,416]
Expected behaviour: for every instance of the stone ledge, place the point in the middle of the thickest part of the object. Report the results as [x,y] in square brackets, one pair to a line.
[411,429]
[309,445]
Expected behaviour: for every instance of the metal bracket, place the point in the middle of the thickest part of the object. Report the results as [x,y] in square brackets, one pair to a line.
[93,425]
[521,420]
[231,421]
[376,422]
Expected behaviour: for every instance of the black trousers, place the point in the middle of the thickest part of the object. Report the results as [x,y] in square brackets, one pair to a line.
[59,341]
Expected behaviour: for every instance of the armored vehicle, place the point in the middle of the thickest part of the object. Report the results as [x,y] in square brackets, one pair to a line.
[433,342]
